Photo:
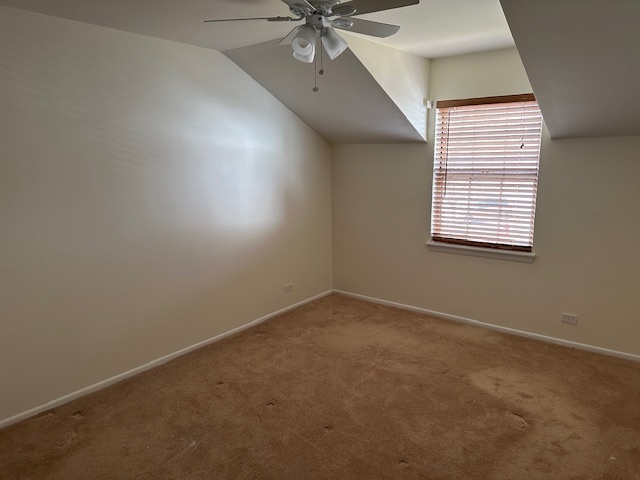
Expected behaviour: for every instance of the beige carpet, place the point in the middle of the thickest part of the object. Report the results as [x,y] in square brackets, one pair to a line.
[344,389]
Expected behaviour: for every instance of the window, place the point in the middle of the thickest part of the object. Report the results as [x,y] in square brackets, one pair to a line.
[485,175]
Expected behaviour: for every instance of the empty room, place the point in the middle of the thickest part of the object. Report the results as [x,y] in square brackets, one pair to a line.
[319,239]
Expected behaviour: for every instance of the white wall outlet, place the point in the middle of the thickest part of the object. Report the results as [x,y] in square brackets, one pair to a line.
[569,318]
[288,288]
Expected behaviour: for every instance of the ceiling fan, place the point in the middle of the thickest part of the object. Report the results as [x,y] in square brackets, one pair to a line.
[323,16]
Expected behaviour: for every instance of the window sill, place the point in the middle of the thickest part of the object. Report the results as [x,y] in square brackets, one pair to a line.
[525,257]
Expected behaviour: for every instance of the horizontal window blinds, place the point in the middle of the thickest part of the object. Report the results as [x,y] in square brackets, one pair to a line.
[486,172]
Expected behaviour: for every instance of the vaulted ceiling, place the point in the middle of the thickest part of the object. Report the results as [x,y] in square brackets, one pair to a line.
[434,28]
[583,61]
[351,106]
[580,55]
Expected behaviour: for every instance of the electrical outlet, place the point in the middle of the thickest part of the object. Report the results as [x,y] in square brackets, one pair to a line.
[288,288]
[569,318]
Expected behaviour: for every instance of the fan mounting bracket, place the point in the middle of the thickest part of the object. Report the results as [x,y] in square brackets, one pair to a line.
[318,21]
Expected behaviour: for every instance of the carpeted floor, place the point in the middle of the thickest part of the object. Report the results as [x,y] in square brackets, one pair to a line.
[344,389]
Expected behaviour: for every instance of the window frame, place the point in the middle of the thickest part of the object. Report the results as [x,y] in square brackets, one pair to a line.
[461,245]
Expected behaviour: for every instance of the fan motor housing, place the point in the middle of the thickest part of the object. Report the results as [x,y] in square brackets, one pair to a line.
[322,7]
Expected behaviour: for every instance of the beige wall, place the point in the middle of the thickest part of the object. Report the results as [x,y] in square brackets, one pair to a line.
[152,195]
[586,233]
[149,190]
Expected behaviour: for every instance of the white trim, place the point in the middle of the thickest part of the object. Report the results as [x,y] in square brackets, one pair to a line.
[511,331]
[514,256]
[147,366]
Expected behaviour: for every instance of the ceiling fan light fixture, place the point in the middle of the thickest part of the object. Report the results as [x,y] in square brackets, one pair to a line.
[303,44]
[333,44]
[304,58]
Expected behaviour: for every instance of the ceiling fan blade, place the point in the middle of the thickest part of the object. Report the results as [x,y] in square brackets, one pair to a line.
[269,19]
[366,27]
[289,38]
[369,6]
[300,5]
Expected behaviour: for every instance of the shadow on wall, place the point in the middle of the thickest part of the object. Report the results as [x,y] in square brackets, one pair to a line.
[147,192]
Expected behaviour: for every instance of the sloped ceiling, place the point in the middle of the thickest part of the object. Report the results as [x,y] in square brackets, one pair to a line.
[434,28]
[350,106]
[581,55]
[583,61]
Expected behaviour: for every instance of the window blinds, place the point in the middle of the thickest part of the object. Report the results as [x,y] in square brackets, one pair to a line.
[486,172]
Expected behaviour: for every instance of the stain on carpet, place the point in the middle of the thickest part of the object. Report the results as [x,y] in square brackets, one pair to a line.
[342,388]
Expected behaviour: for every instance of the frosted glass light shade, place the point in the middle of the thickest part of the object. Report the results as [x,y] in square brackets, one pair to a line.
[304,58]
[304,44]
[333,43]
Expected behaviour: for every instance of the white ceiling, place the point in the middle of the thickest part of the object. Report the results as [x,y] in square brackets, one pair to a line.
[349,107]
[431,29]
[581,56]
[440,28]
[583,61]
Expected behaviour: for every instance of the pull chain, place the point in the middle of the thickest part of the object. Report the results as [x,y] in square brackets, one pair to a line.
[315,71]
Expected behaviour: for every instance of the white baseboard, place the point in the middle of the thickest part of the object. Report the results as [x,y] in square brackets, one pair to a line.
[511,331]
[147,366]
